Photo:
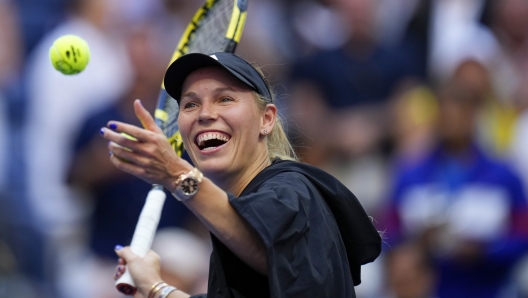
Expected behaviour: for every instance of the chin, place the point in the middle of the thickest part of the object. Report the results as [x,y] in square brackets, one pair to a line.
[213,166]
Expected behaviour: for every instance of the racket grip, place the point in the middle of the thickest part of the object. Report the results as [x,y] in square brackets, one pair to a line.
[143,235]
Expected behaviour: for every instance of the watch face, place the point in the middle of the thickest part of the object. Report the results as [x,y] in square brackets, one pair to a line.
[189,186]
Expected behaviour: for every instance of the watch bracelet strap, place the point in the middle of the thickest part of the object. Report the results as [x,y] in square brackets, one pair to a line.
[176,196]
[197,173]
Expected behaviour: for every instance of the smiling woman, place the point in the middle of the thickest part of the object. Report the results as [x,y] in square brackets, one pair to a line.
[279,228]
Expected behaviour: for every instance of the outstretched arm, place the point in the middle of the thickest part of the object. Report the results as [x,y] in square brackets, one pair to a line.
[152,159]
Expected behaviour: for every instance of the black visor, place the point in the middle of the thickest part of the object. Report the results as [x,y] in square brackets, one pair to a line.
[183,66]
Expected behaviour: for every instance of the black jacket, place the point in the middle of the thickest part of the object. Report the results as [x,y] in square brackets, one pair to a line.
[316,233]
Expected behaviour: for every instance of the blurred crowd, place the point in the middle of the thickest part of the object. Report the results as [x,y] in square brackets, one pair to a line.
[420,107]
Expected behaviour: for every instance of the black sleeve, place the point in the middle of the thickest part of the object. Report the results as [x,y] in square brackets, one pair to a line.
[305,255]
[278,211]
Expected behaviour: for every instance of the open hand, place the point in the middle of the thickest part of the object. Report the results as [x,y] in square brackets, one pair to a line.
[148,155]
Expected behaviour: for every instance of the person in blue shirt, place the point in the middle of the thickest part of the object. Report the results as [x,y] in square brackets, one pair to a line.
[466,207]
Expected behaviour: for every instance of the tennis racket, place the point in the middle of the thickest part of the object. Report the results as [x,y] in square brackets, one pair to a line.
[216,27]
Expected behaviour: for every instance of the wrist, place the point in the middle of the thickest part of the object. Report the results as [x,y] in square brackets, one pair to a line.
[155,288]
[171,183]
[165,291]
[160,289]
[187,185]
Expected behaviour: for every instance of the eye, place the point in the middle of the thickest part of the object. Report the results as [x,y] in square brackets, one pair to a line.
[226,99]
[188,105]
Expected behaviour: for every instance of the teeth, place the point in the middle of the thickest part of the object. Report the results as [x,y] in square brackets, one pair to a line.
[210,136]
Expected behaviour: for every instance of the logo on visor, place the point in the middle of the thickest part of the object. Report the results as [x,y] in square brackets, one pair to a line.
[214,57]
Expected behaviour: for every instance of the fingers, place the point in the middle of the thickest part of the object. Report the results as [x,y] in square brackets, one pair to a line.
[145,117]
[141,135]
[131,138]
[123,133]
[120,270]
[121,264]
[136,157]
[130,168]
[125,253]
[145,153]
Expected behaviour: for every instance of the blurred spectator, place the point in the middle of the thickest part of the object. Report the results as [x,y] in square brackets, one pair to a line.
[10,43]
[509,21]
[57,105]
[513,77]
[413,115]
[339,95]
[410,272]
[467,208]
[457,31]
[118,197]
[20,270]
[361,71]
[444,32]
[185,259]
[497,116]
[9,68]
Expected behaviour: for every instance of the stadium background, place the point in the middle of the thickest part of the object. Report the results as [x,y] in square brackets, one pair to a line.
[368,88]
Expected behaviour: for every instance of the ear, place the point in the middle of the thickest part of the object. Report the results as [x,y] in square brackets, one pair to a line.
[268,119]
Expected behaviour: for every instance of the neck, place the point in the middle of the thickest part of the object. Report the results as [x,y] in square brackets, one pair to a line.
[235,184]
[457,146]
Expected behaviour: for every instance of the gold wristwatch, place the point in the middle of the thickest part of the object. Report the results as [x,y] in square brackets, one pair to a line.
[187,185]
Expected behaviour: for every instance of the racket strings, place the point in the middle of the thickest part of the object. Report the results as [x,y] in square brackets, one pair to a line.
[209,37]
[170,126]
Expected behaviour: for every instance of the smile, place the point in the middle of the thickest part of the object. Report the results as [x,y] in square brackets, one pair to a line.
[208,141]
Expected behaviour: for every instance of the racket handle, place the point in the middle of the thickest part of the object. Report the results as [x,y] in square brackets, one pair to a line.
[143,235]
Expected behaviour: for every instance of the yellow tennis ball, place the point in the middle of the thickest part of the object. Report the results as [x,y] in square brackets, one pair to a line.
[69,54]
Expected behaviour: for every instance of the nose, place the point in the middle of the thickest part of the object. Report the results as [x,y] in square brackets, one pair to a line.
[207,113]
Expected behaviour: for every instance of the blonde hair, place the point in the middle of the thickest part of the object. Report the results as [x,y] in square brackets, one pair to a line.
[277,142]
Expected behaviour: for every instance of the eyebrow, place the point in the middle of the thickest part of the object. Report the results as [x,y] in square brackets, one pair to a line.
[223,89]
[217,90]
[188,94]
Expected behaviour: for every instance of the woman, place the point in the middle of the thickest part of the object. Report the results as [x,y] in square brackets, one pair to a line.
[279,228]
